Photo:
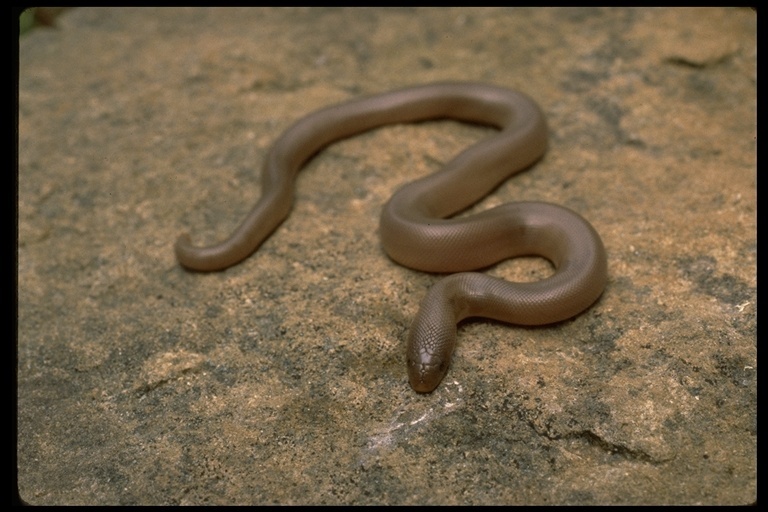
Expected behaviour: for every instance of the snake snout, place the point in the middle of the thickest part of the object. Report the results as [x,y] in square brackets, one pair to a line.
[425,376]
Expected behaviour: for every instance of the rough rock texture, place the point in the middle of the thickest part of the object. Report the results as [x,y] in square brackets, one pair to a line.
[282,380]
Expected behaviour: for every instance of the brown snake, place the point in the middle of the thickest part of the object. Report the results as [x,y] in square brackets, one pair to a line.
[415,228]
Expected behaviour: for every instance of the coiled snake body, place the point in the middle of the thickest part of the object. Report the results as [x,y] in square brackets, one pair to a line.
[416,230]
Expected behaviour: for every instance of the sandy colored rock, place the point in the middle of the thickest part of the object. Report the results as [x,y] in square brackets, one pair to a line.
[282,380]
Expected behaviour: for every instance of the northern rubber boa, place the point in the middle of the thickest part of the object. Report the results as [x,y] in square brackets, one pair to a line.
[415,228]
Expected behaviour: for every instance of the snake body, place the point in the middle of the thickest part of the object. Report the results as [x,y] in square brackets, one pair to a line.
[416,230]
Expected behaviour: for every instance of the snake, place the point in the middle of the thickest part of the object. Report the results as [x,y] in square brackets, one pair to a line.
[419,226]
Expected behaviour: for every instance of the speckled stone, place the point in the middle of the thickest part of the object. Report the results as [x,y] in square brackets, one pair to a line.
[282,380]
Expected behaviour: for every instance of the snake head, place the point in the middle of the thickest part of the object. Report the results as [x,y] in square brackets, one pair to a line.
[431,340]
[426,375]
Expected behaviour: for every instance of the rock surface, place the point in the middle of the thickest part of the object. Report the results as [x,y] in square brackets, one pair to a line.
[282,380]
